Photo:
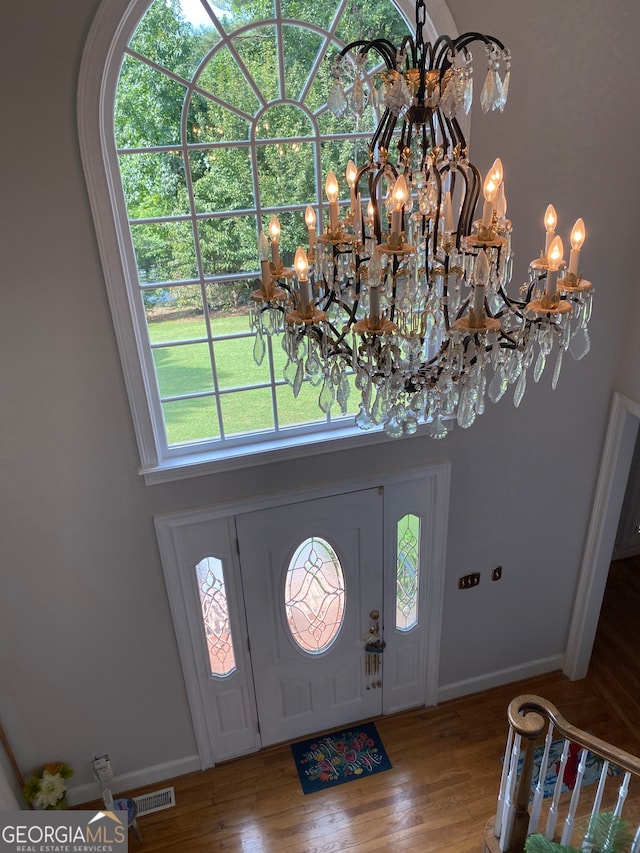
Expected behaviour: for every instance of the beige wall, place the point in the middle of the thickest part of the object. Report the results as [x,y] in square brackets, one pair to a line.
[88,656]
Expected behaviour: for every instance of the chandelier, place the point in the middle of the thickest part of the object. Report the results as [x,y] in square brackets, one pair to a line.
[405,296]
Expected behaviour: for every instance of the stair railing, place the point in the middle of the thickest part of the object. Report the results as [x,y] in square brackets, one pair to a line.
[521,795]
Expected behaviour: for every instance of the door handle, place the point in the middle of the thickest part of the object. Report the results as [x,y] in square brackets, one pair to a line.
[375,644]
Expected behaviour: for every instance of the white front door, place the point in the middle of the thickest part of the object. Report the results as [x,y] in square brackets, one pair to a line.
[250,680]
[312,576]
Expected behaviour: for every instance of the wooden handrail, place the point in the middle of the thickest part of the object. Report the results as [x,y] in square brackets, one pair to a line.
[528,704]
[529,717]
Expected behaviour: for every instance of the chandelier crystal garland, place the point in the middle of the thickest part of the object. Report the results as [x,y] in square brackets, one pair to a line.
[411,296]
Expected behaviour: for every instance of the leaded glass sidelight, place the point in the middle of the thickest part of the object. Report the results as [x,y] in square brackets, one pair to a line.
[215,616]
[407,572]
[314,595]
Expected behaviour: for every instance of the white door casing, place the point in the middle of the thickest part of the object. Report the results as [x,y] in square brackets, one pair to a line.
[410,662]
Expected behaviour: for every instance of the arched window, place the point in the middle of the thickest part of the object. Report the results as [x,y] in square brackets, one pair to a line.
[211,122]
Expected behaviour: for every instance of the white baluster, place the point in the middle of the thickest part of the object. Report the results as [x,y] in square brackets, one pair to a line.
[506,764]
[635,847]
[552,817]
[542,775]
[509,799]
[617,812]
[567,830]
[622,794]
[586,844]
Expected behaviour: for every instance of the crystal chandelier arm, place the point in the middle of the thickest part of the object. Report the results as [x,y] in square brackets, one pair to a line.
[436,221]
[472,196]
[339,345]
[384,48]
[451,132]
[461,42]
[374,179]
[443,48]
[517,303]
[384,131]
[408,41]
[467,207]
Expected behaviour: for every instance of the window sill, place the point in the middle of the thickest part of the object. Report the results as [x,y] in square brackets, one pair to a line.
[200,464]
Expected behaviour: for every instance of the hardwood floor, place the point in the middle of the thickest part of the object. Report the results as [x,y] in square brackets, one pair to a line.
[446,766]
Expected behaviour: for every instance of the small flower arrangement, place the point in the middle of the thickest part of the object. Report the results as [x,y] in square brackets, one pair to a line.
[49,789]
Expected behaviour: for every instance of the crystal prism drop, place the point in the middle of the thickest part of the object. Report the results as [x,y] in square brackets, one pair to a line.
[466,411]
[392,427]
[436,428]
[448,102]
[521,387]
[314,368]
[498,384]
[481,392]
[580,343]
[539,366]
[378,409]
[297,382]
[514,368]
[325,400]
[588,308]
[289,372]
[342,394]
[505,89]
[467,94]
[362,418]
[498,103]
[336,100]
[557,369]
[259,348]
[358,101]
[487,96]
[410,425]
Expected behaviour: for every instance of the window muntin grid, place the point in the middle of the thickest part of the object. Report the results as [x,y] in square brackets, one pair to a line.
[314,596]
[215,616]
[407,572]
[195,251]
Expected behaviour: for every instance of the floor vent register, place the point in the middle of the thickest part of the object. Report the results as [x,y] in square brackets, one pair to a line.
[155,801]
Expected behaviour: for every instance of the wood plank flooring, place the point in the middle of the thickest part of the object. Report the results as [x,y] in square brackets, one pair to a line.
[446,766]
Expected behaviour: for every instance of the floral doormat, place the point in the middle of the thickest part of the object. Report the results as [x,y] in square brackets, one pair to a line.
[338,757]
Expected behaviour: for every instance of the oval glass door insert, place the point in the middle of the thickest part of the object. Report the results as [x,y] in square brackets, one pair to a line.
[314,595]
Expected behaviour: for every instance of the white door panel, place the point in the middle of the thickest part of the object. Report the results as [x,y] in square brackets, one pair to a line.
[225,705]
[406,650]
[297,691]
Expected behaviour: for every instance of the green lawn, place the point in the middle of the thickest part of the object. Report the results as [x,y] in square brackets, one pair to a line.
[186,369]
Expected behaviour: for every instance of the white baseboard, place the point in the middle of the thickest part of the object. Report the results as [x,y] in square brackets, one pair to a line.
[136,779]
[500,677]
[170,769]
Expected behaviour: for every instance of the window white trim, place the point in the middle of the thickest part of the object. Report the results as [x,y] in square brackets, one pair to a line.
[110,32]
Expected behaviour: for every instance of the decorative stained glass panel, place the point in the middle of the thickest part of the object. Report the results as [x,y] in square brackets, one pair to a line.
[215,616]
[407,572]
[315,595]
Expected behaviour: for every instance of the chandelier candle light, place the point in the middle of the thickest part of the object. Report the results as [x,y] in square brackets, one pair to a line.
[410,304]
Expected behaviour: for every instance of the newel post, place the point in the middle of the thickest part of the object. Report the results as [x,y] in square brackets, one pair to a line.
[530,726]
